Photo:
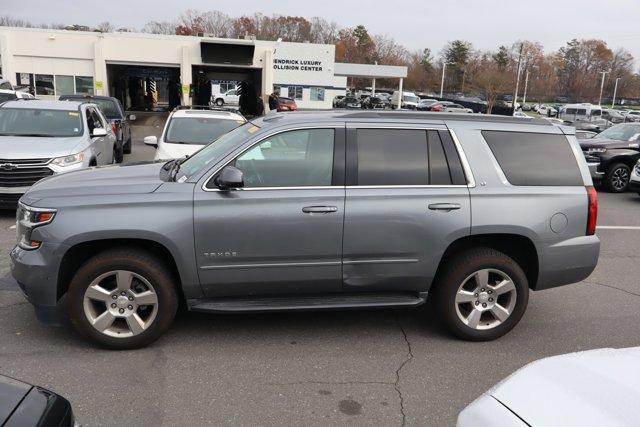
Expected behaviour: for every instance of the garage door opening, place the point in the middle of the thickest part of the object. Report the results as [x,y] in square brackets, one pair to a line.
[210,82]
[144,88]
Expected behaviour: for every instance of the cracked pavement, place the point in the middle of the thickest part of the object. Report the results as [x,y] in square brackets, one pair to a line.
[387,367]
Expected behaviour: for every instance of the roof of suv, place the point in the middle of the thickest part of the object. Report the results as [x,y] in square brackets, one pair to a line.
[400,116]
[44,105]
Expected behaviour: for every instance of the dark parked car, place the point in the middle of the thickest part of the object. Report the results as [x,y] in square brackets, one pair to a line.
[350,102]
[22,404]
[374,103]
[612,154]
[286,104]
[337,100]
[119,121]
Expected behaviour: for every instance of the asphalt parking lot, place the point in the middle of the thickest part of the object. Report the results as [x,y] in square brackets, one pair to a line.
[363,368]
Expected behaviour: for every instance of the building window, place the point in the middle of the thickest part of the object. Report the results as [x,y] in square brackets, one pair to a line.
[276,89]
[64,85]
[317,94]
[295,92]
[44,84]
[84,85]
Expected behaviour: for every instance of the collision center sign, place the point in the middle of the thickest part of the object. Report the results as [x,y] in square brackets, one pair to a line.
[297,65]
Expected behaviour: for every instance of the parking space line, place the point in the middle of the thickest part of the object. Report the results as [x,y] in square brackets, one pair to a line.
[618,227]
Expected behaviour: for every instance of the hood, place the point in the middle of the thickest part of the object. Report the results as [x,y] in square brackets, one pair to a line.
[597,387]
[29,147]
[132,179]
[604,143]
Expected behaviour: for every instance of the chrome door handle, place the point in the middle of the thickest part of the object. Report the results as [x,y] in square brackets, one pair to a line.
[319,209]
[444,206]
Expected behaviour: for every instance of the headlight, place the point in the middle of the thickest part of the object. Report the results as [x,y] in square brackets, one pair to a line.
[596,150]
[69,160]
[28,218]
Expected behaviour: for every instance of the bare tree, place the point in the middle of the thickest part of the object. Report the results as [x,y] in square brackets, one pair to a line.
[160,27]
[105,27]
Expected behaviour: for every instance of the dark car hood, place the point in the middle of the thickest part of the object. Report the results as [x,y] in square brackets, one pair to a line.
[133,179]
[605,143]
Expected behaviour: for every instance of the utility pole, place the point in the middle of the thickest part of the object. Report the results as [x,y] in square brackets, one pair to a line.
[615,92]
[515,95]
[444,67]
[604,73]
[526,83]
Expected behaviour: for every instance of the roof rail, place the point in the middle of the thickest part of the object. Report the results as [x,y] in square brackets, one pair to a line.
[207,107]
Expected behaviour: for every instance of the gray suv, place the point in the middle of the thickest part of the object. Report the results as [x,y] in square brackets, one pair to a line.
[312,211]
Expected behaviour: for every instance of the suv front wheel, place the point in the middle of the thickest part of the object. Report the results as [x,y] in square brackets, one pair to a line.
[481,294]
[122,299]
[617,178]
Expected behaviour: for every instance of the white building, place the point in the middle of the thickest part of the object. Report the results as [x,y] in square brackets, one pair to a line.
[57,62]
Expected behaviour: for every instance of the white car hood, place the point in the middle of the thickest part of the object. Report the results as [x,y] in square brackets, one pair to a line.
[167,151]
[597,387]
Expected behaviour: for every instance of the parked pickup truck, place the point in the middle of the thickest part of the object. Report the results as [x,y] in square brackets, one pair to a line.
[313,211]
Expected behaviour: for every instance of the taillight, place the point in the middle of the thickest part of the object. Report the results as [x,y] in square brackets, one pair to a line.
[115,127]
[592,215]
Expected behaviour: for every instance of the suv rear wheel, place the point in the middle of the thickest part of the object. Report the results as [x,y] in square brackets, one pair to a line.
[122,299]
[481,294]
[617,178]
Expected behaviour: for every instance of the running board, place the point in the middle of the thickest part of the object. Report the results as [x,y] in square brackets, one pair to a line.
[307,302]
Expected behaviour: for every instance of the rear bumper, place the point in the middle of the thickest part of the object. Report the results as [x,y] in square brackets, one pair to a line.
[569,261]
[37,275]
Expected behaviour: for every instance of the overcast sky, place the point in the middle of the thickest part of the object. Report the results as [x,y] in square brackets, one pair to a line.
[413,23]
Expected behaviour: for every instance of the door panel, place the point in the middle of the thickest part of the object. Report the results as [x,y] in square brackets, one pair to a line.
[394,241]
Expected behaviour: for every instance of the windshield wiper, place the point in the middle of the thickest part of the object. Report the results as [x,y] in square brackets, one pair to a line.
[26,134]
[175,168]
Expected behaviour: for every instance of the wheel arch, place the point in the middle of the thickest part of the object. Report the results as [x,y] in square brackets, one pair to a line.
[519,247]
[79,253]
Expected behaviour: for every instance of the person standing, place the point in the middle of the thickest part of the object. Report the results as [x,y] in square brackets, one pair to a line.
[273,102]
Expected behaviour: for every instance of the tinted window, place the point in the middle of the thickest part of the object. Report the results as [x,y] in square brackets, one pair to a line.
[534,158]
[290,159]
[438,168]
[392,157]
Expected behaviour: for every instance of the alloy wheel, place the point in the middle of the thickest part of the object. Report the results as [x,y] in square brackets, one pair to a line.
[485,299]
[120,304]
[620,179]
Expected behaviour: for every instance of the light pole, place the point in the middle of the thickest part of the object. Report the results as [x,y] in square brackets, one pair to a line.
[604,73]
[444,67]
[615,91]
[515,95]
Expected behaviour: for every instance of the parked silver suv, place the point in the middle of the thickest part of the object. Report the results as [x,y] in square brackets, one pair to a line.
[313,211]
[42,138]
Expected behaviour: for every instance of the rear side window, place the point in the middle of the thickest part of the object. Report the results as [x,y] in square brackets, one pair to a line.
[406,157]
[534,158]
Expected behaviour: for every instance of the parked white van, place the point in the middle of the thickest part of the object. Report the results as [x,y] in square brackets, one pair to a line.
[409,100]
[584,116]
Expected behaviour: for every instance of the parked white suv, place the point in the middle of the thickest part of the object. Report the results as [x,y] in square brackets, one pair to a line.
[230,97]
[188,130]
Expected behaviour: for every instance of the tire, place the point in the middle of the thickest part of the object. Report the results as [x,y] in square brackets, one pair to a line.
[617,178]
[126,148]
[118,154]
[119,308]
[219,102]
[459,274]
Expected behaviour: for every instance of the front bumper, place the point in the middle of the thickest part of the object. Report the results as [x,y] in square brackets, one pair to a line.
[36,272]
[634,184]
[594,170]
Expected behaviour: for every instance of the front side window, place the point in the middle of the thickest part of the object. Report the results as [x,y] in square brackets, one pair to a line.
[40,122]
[298,158]
[198,130]
[44,84]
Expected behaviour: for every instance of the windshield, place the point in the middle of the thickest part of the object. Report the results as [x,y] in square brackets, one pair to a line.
[209,154]
[409,98]
[620,132]
[198,130]
[7,97]
[40,122]
[109,108]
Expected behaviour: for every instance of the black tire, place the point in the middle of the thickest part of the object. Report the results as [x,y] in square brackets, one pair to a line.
[453,275]
[140,263]
[617,178]
[126,148]
[118,154]
[219,102]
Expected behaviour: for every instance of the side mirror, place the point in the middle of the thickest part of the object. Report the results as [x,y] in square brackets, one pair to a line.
[151,140]
[132,117]
[98,132]
[230,177]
